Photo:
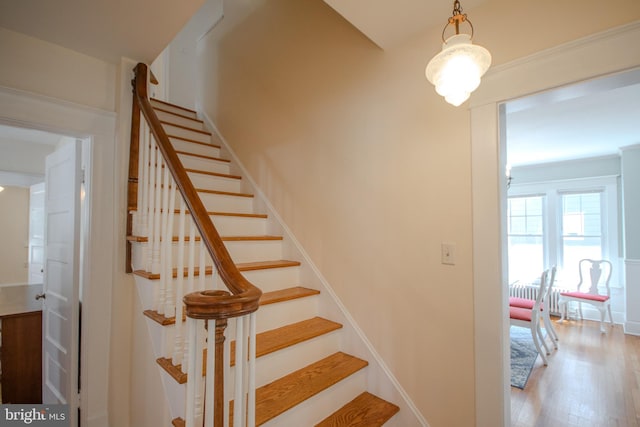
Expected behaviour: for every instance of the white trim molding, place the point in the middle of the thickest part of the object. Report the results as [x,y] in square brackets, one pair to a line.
[632,279]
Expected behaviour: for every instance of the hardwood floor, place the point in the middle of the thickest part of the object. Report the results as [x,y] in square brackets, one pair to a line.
[592,380]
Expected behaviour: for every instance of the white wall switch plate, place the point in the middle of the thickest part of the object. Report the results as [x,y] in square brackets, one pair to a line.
[448,253]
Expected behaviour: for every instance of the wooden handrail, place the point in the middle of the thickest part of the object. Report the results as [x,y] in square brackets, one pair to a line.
[244,296]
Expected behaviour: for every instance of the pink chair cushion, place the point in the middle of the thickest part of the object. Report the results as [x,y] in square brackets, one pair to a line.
[523,303]
[519,313]
[583,295]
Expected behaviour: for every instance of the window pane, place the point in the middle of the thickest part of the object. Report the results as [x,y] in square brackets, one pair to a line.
[534,225]
[526,258]
[518,225]
[525,237]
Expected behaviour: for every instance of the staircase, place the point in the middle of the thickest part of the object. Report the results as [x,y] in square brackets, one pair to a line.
[304,374]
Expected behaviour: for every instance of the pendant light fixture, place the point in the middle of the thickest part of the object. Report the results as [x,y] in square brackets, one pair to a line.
[456,71]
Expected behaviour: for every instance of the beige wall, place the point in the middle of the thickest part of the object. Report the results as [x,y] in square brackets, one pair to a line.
[14,234]
[44,68]
[371,169]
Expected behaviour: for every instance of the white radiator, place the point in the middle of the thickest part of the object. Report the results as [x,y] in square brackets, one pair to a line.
[531,292]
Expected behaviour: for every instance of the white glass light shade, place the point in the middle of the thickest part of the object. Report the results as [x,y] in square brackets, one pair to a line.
[456,71]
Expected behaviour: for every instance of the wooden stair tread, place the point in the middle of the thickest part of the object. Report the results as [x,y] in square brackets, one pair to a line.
[286,294]
[204,132]
[215,213]
[262,265]
[223,193]
[266,299]
[173,105]
[245,266]
[142,239]
[366,410]
[266,342]
[182,138]
[286,336]
[202,156]
[216,174]
[283,394]
[182,116]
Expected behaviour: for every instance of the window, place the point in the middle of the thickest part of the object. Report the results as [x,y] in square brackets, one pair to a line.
[559,223]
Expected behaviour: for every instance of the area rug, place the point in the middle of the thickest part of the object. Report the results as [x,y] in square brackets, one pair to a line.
[523,356]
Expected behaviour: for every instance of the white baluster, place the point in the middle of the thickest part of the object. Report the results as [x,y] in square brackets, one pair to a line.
[202,265]
[151,206]
[151,219]
[165,247]
[143,187]
[190,415]
[200,338]
[190,272]
[251,389]
[160,225]
[170,304]
[239,400]
[227,380]
[209,406]
[179,339]
[155,266]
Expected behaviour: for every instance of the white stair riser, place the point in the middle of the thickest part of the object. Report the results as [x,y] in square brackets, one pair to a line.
[239,226]
[252,251]
[226,203]
[171,108]
[212,182]
[272,279]
[206,165]
[179,120]
[190,147]
[145,289]
[227,225]
[240,251]
[272,316]
[315,409]
[178,131]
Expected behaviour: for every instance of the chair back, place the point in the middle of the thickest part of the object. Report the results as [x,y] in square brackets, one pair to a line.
[594,273]
[542,292]
[551,278]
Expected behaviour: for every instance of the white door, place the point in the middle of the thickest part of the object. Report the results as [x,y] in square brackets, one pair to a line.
[61,279]
[36,233]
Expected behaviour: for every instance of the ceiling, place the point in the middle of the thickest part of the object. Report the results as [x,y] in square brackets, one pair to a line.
[388,23]
[105,29]
[590,119]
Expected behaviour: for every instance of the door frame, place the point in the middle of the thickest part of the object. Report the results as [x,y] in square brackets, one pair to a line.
[588,58]
[28,110]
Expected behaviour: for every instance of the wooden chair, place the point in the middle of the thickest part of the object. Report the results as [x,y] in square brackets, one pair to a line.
[599,271]
[530,318]
[545,311]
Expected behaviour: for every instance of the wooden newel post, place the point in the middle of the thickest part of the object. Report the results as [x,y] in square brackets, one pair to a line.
[221,325]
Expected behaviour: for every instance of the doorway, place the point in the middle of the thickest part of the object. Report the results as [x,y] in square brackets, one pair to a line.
[574,62]
[47,158]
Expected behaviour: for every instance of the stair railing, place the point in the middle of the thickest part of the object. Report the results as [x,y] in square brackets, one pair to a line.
[157,183]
